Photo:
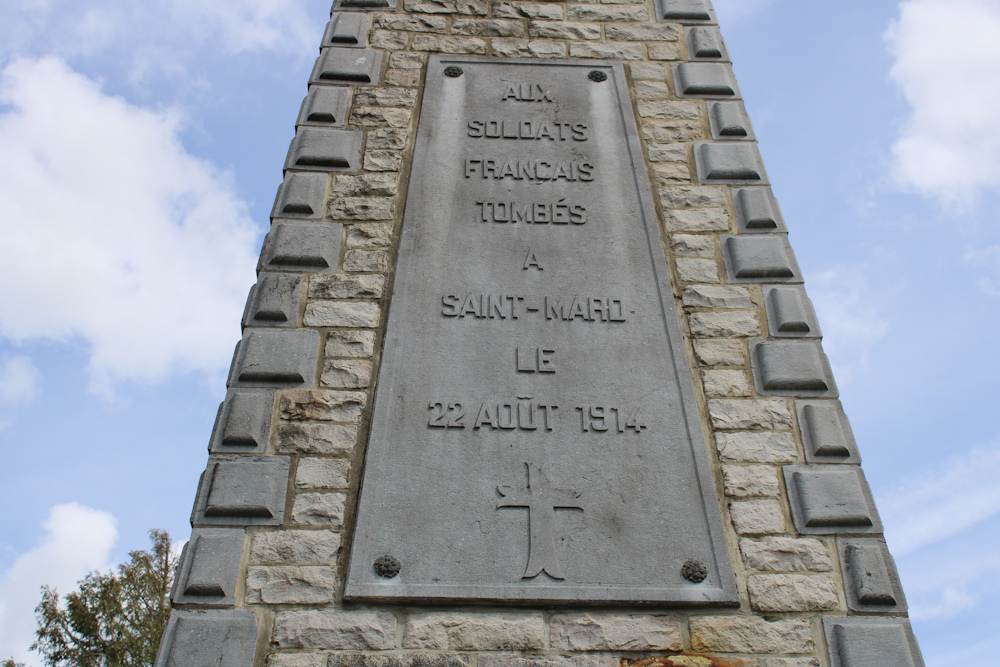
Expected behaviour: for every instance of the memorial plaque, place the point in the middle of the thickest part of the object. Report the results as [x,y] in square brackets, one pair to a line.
[534,435]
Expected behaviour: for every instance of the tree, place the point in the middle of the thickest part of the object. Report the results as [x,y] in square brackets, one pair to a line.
[113,619]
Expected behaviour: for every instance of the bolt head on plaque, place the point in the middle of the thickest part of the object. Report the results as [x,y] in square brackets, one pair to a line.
[694,571]
[387,567]
[597,75]
[453,71]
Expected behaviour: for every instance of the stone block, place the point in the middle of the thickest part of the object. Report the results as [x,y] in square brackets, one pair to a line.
[730,324]
[346,286]
[324,106]
[642,33]
[305,438]
[317,473]
[698,220]
[446,44]
[322,405]
[790,313]
[757,210]
[750,634]
[459,631]
[369,236]
[217,638]
[401,660]
[692,270]
[693,196]
[785,554]
[705,43]
[719,352]
[646,71]
[606,50]
[692,244]
[749,447]
[615,632]
[304,547]
[683,11]
[871,580]
[757,517]
[348,30]
[776,593]
[528,10]
[469,7]
[760,257]
[346,373]
[831,499]
[563,30]
[488,28]
[716,296]
[347,66]
[709,80]
[275,358]
[578,660]
[273,301]
[791,368]
[362,208]
[319,509]
[406,23]
[209,565]
[604,13]
[302,246]
[372,185]
[749,481]
[743,414]
[363,5]
[351,314]
[826,433]
[242,423]
[334,629]
[729,163]
[241,490]
[725,383]
[729,122]
[860,642]
[301,195]
[324,149]
[524,48]
[290,584]
[350,343]
[297,660]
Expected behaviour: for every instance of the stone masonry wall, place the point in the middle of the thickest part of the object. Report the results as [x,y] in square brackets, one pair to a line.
[275,511]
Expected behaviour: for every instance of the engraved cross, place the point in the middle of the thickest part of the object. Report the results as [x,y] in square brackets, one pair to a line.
[541,501]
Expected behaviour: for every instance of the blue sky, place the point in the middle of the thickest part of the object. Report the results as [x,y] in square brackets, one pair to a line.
[140,148]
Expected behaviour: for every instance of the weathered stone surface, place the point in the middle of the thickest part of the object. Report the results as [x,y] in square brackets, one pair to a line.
[468,45]
[749,634]
[579,660]
[606,50]
[643,33]
[286,584]
[524,48]
[715,352]
[350,343]
[481,632]
[335,630]
[680,244]
[368,261]
[363,116]
[747,481]
[613,632]
[370,185]
[407,60]
[400,77]
[369,236]
[785,554]
[750,414]
[725,325]
[663,51]
[380,160]
[756,447]
[306,547]
[410,23]
[226,638]
[716,296]
[304,438]
[487,28]
[666,131]
[831,499]
[270,358]
[297,660]
[757,517]
[791,592]
[563,30]
[647,71]
[471,7]
[321,404]
[671,172]
[604,13]
[314,473]
[400,660]
[317,509]
[527,10]
[726,383]
[341,286]
[693,270]
[341,314]
[672,109]
[692,196]
[698,220]
[347,373]
[388,39]
[360,208]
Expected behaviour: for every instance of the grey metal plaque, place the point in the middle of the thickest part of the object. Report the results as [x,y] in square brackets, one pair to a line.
[535,435]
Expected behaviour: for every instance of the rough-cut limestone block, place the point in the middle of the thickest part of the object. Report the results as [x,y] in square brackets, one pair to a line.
[459,631]
[739,415]
[303,547]
[290,584]
[715,352]
[785,554]
[716,296]
[335,629]
[757,517]
[772,593]
[306,438]
[316,473]
[321,404]
[726,383]
[614,632]
[749,481]
[319,509]
[732,324]
[750,634]
[749,447]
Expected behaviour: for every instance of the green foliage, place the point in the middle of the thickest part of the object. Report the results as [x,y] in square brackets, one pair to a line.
[113,619]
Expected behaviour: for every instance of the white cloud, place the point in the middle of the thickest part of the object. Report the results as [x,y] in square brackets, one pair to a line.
[987,260]
[77,541]
[20,380]
[944,501]
[946,59]
[250,25]
[113,232]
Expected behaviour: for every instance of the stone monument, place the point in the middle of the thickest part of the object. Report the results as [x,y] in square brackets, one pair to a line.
[529,377]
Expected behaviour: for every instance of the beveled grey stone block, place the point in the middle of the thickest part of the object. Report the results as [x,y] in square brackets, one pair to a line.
[871,580]
[872,642]
[273,301]
[826,432]
[757,211]
[348,66]
[827,500]
[209,566]
[241,491]
[302,246]
[323,106]
[791,368]
[729,162]
[790,313]
[363,5]
[242,422]
[348,30]
[711,80]
[760,257]
[683,11]
[729,122]
[208,639]
[301,195]
[272,358]
[705,43]
[324,149]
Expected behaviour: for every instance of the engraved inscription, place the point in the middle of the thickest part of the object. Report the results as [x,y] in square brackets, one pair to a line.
[526,92]
[538,213]
[535,360]
[541,501]
[539,171]
[505,306]
[526,129]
